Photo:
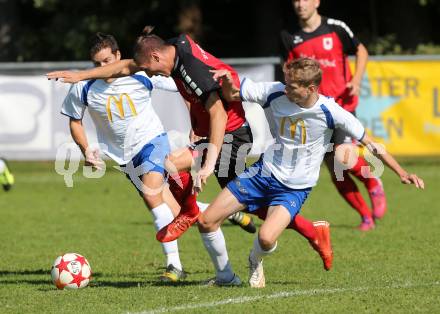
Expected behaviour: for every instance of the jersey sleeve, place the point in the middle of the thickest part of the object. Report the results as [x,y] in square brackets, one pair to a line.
[349,41]
[346,121]
[199,75]
[261,93]
[163,83]
[73,105]
[285,45]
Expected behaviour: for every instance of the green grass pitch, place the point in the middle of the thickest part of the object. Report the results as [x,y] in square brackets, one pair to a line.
[393,269]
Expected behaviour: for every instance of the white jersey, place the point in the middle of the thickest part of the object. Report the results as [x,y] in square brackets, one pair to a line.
[302,134]
[121,111]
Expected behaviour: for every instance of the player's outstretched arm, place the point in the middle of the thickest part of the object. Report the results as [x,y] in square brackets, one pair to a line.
[117,69]
[229,91]
[379,151]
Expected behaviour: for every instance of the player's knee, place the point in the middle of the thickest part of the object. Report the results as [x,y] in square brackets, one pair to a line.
[267,239]
[152,201]
[206,225]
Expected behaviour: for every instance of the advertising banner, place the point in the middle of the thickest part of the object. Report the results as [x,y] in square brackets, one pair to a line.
[399,105]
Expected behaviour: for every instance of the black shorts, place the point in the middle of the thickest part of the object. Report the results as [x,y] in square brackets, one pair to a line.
[232,158]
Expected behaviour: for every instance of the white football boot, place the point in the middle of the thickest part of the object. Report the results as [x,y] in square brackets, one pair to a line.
[256,272]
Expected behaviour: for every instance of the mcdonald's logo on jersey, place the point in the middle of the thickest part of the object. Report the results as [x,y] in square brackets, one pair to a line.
[293,127]
[119,103]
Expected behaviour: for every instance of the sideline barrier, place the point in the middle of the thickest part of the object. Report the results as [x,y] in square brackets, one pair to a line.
[399,105]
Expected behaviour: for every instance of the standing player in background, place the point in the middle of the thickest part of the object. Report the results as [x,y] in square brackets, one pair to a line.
[6,177]
[130,133]
[330,41]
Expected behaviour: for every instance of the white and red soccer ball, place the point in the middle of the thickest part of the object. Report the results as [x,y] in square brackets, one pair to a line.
[71,271]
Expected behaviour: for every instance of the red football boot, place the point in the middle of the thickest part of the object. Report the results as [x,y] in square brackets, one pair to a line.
[177,227]
[323,244]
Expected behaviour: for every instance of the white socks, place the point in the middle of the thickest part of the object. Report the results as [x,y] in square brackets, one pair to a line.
[258,252]
[216,246]
[163,215]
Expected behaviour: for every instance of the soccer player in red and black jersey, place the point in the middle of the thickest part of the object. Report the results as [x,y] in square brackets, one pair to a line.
[211,117]
[330,41]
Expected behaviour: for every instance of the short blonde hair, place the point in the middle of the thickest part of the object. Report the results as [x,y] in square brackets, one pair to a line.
[304,71]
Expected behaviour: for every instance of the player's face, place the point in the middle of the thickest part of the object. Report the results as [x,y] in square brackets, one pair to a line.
[105,56]
[305,8]
[296,92]
[155,64]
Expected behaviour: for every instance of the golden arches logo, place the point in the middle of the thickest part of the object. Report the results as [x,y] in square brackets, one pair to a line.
[119,105]
[293,125]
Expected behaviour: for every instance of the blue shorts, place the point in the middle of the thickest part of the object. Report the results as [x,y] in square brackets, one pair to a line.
[265,190]
[151,157]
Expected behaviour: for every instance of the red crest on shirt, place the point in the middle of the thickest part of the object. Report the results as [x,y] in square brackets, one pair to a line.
[327,43]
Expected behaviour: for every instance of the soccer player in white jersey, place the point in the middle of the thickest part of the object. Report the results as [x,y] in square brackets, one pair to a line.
[284,176]
[129,132]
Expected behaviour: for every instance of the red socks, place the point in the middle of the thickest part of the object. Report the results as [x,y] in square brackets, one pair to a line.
[304,227]
[351,194]
[181,188]
[357,172]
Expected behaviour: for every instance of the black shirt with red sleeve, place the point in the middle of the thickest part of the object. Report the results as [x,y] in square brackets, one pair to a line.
[194,81]
[330,44]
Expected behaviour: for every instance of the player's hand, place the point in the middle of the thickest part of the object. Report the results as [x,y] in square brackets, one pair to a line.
[412,179]
[93,159]
[354,88]
[201,178]
[221,74]
[64,76]
[229,91]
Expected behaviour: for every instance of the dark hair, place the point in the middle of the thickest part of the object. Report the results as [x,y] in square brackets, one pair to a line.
[101,41]
[146,43]
[305,71]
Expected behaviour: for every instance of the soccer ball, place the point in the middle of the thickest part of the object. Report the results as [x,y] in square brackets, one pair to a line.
[71,271]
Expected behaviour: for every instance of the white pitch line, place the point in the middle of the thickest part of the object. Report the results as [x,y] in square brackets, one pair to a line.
[282,294]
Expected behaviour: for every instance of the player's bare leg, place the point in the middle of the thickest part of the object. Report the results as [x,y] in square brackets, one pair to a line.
[153,191]
[170,200]
[317,233]
[179,160]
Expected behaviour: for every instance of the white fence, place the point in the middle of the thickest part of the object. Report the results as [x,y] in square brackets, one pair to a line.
[31,127]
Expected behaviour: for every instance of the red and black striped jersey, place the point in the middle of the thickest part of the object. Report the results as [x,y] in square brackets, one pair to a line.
[195,83]
[330,44]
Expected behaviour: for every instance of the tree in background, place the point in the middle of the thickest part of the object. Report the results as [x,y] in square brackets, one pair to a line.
[56,30]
